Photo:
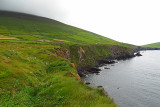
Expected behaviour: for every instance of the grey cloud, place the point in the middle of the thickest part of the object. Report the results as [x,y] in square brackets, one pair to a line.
[47,8]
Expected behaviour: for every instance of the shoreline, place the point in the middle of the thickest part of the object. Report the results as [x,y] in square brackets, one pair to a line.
[96,70]
[90,70]
[119,72]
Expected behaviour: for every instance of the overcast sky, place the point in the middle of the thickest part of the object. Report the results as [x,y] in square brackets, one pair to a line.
[130,21]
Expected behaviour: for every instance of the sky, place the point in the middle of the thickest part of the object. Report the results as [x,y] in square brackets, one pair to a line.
[130,21]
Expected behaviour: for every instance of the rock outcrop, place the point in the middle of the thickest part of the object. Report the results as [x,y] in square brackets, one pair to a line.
[138,54]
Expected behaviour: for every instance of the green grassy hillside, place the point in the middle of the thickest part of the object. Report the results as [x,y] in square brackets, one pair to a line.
[33,75]
[39,58]
[25,27]
[153,45]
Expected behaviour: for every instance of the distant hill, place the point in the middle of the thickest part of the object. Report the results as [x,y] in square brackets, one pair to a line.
[153,45]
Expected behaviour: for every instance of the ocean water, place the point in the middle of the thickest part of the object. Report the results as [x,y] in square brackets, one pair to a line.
[131,83]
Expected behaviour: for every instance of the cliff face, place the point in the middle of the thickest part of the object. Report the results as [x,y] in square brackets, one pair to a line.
[85,57]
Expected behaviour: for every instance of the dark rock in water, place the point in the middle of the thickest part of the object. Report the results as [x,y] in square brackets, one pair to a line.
[84,71]
[100,86]
[97,74]
[106,68]
[94,70]
[138,54]
[106,62]
[88,83]
[125,56]
[81,74]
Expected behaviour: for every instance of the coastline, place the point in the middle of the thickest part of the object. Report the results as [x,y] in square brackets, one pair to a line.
[114,79]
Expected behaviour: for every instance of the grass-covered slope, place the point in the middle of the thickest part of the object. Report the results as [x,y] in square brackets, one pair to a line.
[32,28]
[33,75]
[39,58]
[153,45]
